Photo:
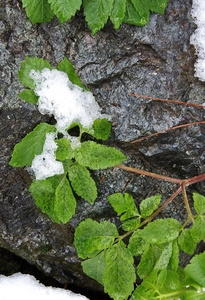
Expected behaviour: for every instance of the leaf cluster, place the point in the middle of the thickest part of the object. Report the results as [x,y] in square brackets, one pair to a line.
[56,195]
[111,262]
[96,12]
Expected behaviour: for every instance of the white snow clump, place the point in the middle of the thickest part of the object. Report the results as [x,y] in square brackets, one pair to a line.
[24,287]
[45,165]
[66,101]
[198,37]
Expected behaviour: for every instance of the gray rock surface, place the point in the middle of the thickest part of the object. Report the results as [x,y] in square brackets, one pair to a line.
[155,60]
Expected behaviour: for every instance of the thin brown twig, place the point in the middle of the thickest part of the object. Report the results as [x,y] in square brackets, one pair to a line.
[195,179]
[150,174]
[163,205]
[167,100]
[162,131]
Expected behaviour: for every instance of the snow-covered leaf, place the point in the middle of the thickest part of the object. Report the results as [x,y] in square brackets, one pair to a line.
[25,151]
[36,64]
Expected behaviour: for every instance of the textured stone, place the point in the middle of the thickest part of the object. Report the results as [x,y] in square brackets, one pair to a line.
[155,60]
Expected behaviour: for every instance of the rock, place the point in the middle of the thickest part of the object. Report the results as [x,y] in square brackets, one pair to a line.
[155,60]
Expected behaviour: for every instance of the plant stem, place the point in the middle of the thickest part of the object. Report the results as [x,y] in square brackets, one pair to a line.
[186,202]
[162,206]
[142,172]
[80,135]
[171,294]
[195,179]
[185,224]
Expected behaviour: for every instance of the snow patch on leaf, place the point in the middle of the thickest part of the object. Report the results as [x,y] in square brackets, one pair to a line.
[45,165]
[67,102]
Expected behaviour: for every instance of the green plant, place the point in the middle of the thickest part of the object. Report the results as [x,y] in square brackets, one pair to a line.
[96,12]
[61,161]
[110,261]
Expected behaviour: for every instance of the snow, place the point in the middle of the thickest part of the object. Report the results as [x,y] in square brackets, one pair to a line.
[24,287]
[64,100]
[68,103]
[45,164]
[198,37]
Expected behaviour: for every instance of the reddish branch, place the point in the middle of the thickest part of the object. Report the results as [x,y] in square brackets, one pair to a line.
[182,182]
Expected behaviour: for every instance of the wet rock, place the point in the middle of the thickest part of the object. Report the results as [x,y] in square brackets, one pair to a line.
[155,60]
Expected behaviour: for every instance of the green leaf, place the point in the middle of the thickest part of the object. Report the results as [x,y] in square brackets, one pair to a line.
[148,288]
[132,16]
[97,156]
[96,13]
[66,67]
[161,231]
[122,204]
[164,258]
[172,282]
[82,183]
[192,295]
[119,276]
[199,203]
[54,196]
[148,205]
[158,6]
[174,259]
[119,203]
[91,237]
[142,7]
[147,262]
[29,96]
[131,224]
[65,202]
[155,257]
[38,11]
[125,205]
[37,64]
[67,164]
[196,269]
[187,242]
[161,278]
[158,285]
[136,244]
[133,212]
[43,191]
[118,12]
[25,151]
[137,11]
[64,150]
[100,129]
[198,229]
[95,267]
[65,9]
